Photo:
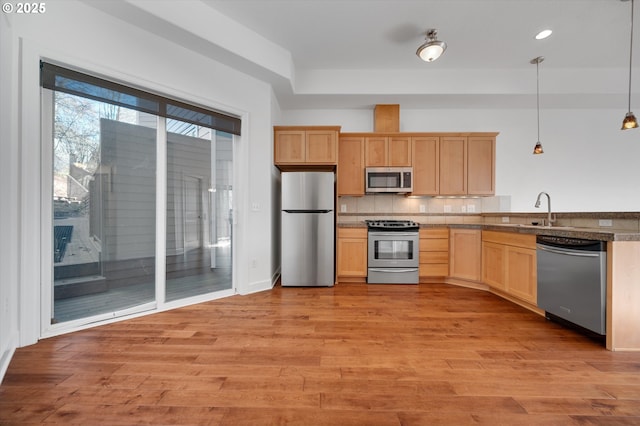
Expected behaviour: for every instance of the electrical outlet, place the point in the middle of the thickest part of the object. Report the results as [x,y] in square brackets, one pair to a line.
[605,222]
[343,208]
[423,208]
[255,206]
[463,209]
[471,208]
[505,219]
[447,208]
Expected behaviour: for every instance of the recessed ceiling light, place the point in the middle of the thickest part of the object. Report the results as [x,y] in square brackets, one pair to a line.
[543,34]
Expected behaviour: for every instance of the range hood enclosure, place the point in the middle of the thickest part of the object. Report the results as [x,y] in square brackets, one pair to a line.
[386,118]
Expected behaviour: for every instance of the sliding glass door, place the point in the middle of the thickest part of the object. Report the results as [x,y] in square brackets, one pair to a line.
[104,213]
[141,189]
[199,185]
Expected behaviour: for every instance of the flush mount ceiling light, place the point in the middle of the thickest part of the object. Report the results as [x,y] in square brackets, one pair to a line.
[432,48]
[630,121]
[543,34]
[538,148]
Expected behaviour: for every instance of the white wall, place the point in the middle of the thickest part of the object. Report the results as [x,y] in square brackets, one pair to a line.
[77,35]
[9,199]
[589,164]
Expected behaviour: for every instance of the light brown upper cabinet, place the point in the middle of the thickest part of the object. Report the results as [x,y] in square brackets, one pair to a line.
[351,165]
[387,151]
[481,168]
[453,165]
[467,165]
[295,145]
[426,165]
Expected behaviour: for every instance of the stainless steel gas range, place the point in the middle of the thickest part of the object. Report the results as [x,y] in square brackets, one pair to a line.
[393,252]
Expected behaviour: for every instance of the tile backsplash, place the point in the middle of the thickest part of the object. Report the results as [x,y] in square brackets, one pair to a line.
[400,204]
[460,210]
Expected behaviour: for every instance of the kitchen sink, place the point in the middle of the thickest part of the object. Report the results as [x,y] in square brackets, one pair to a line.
[524,225]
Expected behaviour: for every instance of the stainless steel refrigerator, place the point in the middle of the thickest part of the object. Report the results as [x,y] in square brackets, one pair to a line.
[308,235]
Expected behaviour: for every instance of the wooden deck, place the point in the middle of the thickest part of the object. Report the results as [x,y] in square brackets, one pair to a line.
[353,354]
[187,275]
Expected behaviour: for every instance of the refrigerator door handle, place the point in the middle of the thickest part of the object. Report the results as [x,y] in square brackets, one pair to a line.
[307,211]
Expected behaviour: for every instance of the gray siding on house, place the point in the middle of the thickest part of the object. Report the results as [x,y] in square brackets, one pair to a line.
[128,175]
[128,163]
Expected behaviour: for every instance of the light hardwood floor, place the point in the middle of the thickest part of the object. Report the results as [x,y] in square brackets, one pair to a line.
[354,354]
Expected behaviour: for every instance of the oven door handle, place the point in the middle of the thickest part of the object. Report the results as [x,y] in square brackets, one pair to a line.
[393,234]
[393,271]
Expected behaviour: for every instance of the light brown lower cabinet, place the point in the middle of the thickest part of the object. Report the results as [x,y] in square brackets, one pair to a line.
[465,254]
[509,264]
[352,253]
[505,261]
[434,252]
[493,264]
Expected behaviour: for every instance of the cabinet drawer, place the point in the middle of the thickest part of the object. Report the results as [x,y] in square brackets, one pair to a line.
[434,233]
[510,238]
[434,257]
[434,245]
[434,270]
[352,233]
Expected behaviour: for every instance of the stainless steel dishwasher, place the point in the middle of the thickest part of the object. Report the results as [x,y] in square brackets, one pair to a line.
[572,281]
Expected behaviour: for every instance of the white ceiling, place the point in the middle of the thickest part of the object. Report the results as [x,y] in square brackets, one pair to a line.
[372,34]
[356,53]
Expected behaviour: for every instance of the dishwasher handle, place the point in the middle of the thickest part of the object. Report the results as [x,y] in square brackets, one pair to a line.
[567,252]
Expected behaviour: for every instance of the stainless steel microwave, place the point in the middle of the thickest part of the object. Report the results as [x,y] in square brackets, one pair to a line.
[389,179]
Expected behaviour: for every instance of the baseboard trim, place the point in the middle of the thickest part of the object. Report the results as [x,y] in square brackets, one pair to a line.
[7,354]
[256,287]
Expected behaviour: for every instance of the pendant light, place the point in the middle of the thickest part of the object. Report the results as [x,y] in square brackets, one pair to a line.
[630,121]
[538,148]
[431,49]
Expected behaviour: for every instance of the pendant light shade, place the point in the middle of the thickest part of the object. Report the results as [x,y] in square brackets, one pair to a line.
[630,121]
[538,148]
[432,48]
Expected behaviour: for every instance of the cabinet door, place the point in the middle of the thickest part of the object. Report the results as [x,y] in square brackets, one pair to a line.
[522,274]
[426,165]
[321,147]
[481,165]
[493,265]
[465,254]
[399,151]
[375,151]
[351,166]
[290,146]
[352,253]
[453,165]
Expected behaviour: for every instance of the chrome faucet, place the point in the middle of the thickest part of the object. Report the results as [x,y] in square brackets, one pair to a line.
[549,219]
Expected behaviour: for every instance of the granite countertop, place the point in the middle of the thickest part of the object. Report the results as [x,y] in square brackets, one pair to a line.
[564,231]
[560,231]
